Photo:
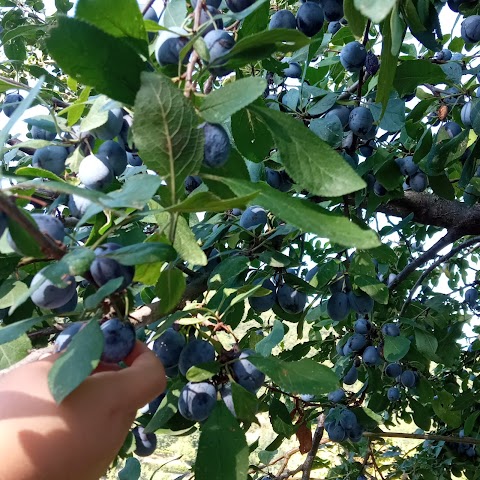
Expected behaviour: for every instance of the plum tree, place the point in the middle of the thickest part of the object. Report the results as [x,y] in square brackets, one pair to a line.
[220,152]
[119,340]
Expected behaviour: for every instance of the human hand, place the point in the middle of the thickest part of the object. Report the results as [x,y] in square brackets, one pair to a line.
[79,438]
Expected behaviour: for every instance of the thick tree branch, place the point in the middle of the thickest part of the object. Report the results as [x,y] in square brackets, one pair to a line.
[429,209]
[443,259]
[446,240]
[317,438]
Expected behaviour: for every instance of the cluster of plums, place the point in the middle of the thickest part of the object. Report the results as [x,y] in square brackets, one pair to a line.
[341,424]
[197,399]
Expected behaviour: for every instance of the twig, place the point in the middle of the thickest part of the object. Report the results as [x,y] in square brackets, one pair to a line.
[189,87]
[147,6]
[449,238]
[434,265]
[374,461]
[317,437]
[417,436]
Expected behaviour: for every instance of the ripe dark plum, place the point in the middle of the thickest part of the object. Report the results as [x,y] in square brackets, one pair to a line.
[45,294]
[408,379]
[407,166]
[3,223]
[151,14]
[372,65]
[290,299]
[65,337]
[356,433]
[69,306]
[95,172]
[360,121]
[334,27]
[211,3]
[310,18]
[253,218]
[111,128]
[337,396]
[168,50]
[393,394]
[11,103]
[391,330]
[246,374]
[419,182]
[342,112]
[294,70]
[470,29]
[283,19]
[134,160]
[466,115]
[443,55]
[78,205]
[311,274]
[41,134]
[348,420]
[219,43]
[336,432]
[353,56]
[239,5]
[363,326]
[206,18]
[194,353]
[342,283]
[217,145]
[338,306]
[453,128]
[192,182]
[361,303]
[332,10]
[371,357]
[151,407]
[116,156]
[168,347]
[197,400]
[226,394]
[471,297]
[393,370]
[104,269]
[265,303]
[145,443]
[357,342]
[279,180]
[119,340]
[351,376]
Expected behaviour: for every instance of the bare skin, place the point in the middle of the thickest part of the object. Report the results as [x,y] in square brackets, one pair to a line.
[78,439]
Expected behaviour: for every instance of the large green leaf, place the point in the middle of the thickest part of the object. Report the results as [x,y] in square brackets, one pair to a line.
[96,58]
[169,288]
[442,406]
[305,215]
[376,10]
[313,164]
[13,352]
[78,361]
[166,132]
[265,346]
[356,21]
[15,330]
[412,73]
[143,253]
[222,433]
[168,406]
[120,18]
[10,291]
[221,104]
[302,376]
[395,348]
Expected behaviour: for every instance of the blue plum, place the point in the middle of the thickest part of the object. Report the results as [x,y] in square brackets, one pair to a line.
[46,294]
[219,43]
[290,299]
[360,121]
[391,330]
[104,269]
[470,29]
[115,155]
[211,3]
[197,400]
[145,443]
[353,56]
[407,166]
[342,112]
[294,70]
[336,432]
[283,19]
[119,340]
[134,160]
[168,347]
[372,65]
[217,145]
[168,50]
[280,180]
[408,379]
[253,218]
[194,353]
[68,307]
[65,336]
[78,205]
[334,27]
[357,342]
[151,14]
[226,394]
[151,407]
[112,127]
[393,394]
[11,103]
[361,303]
[419,182]
[95,172]
[363,326]
[453,129]
[192,182]
[265,303]
[246,374]
[393,370]
[348,420]
[206,18]
[371,357]
[41,134]
[338,306]
[332,10]
[239,5]
[337,396]
[351,376]
[310,18]
[443,55]
[3,223]
[51,158]
[471,297]
[466,115]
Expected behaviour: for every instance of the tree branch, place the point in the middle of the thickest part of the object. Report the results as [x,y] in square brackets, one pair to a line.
[449,238]
[417,436]
[317,438]
[435,264]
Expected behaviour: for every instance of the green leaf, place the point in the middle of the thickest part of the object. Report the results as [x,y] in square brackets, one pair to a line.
[356,21]
[422,415]
[169,288]
[265,346]
[305,215]
[262,45]
[233,461]
[426,344]
[370,285]
[126,23]
[303,376]
[166,132]
[175,13]
[394,116]
[442,406]
[77,363]
[221,104]
[167,408]
[114,69]
[98,113]
[280,419]
[131,470]
[398,29]
[203,372]
[148,252]
[375,10]
[395,348]
[13,331]
[14,351]
[245,403]
[308,160]
[227,269]
[412,73]
[208,202]
[104,291]
[10,291]
[22,31]
[330,130]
